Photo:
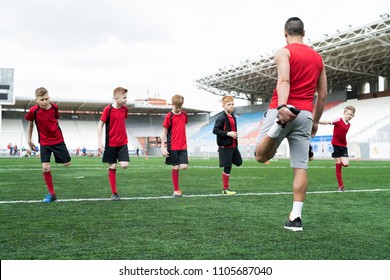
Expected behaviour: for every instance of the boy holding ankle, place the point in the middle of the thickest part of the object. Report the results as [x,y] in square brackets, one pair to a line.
[227,140]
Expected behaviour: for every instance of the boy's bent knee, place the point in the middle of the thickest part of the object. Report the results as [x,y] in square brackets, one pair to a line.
[124,164]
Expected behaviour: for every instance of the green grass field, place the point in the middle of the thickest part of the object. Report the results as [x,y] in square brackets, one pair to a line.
[148,224]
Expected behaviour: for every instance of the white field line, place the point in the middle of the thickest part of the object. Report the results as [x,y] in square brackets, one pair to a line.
[188,196]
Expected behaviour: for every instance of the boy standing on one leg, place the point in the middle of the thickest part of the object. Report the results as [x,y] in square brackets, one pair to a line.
[174,134]
[45,115]
[339,142]
[114,118]
[226,130]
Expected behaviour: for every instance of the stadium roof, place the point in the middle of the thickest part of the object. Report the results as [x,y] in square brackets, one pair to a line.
[351,57]
[95,106]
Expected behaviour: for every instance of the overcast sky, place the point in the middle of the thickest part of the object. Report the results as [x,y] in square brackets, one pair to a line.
[84,49]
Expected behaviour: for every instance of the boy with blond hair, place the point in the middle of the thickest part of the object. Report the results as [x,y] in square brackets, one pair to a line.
[45,115]
[115,150]
[339,142]
[226,130]
[174,134]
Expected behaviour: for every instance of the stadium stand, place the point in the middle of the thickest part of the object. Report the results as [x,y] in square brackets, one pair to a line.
[357,63]
[79,119]
[71,134]
[87,130]
[371,116]
[370,123]
[353,58]
[14,135]
[248,124]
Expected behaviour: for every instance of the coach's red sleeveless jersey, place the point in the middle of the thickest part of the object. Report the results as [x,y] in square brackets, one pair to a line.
[46,121]
[340,131]
[305,68]
[115,120]
[176,125]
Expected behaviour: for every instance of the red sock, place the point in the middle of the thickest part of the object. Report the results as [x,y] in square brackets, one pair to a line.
[112,179]
[225,180]
[49,182]
[175,179]
[338,174]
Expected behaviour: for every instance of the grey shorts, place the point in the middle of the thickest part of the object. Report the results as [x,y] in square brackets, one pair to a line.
[297,133]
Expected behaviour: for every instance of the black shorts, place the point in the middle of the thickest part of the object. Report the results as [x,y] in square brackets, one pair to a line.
[60,152]
[177,157]
[229,156]
[115,154]
[339,151]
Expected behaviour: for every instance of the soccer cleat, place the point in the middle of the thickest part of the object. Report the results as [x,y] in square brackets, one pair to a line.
[50,198]
[311,153]
[293,110]
[295,225]
[341,189]
[228,192]
[177,193]
[115,197]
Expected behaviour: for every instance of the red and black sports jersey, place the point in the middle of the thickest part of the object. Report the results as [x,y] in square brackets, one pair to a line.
[340,131]
[115,120]
[176,125]
[233,128]
[46,121]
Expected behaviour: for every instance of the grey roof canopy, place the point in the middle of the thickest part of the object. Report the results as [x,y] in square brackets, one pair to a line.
[351,57]
[95,106]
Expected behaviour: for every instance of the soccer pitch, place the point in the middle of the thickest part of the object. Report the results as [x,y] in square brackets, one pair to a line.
[149,224]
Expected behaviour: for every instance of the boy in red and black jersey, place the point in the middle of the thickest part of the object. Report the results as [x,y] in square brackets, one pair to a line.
[115,150]
[174,134]
[339,142]
[45,115]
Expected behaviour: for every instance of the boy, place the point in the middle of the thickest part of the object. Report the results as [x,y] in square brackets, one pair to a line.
[174,134]
[226,130]
[45,115]
[114,117]
[339,142]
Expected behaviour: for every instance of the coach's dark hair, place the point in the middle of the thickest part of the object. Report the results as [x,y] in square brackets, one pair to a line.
[294,26]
